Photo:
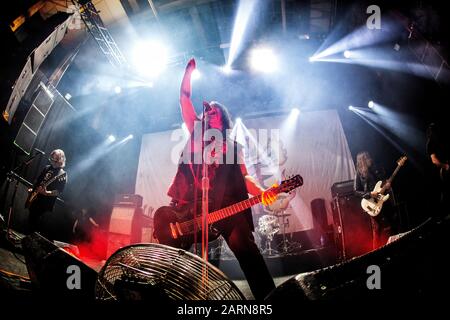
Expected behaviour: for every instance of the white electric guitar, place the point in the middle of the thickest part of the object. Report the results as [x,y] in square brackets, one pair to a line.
[373,206]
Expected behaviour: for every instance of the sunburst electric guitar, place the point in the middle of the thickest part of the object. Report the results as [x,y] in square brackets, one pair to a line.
[373,206]
[173,226]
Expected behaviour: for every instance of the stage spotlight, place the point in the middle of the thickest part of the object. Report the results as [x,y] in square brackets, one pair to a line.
[312,59]
[68,96]
[245,14]
[150,58]
[304,36]
[226,69]
[238,120]
[347,54]
[263,59]
[130,136]
[117,89]
[351,108]
[295,112]
[371,104]
[196,74]
[111,138]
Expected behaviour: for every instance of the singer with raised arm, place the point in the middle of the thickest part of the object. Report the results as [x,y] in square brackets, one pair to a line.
[47,187]
[229,183]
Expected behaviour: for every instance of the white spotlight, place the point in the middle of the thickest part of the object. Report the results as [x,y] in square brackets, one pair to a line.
[150,58]
[226,69]
[351,108]
[111,138]
[264,60]
[196,74]
[130,136]
[295,112]
[68,96]
[312,59]
[371,104]
[347,54]
[304,36]
[238,120]
[117,89]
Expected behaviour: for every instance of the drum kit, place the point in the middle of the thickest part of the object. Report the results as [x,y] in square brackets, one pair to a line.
[271,223]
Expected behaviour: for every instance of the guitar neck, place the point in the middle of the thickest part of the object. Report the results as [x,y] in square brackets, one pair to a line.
[394,173]
[52,180]
[231,210]
[391,177]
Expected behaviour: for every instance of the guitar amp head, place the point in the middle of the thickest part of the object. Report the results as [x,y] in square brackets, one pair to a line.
[343,188]
[128,200]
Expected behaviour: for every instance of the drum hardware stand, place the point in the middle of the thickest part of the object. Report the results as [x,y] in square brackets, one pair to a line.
[220,250]
[267,229]
[287,246]
[268,250]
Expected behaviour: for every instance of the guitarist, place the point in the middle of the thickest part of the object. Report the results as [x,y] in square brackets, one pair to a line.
[229,183]
[47,192]
[367,175]
[438,151]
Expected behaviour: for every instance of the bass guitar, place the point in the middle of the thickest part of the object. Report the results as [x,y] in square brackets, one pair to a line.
[373,206]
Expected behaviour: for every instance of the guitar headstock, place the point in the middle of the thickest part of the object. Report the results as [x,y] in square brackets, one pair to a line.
[402,160]
[290,184]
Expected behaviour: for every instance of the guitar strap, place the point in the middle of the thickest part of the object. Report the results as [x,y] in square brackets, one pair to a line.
[48,182]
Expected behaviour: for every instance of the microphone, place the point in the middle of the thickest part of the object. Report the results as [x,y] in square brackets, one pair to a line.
[39,151]
[206,106]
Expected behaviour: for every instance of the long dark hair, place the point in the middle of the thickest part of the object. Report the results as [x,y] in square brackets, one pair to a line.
[363,163]
[226,117]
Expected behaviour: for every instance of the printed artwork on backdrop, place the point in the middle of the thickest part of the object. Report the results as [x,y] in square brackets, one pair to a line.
[312,145]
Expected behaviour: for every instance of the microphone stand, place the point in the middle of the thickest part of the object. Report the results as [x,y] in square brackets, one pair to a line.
[13,175]
[205,209]
[205,191]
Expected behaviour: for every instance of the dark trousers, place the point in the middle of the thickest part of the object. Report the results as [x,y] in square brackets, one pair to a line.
[380,233]
[36,211]
[383,226]
[240,240]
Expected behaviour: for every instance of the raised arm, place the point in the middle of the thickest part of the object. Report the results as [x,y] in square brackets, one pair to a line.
[187,108]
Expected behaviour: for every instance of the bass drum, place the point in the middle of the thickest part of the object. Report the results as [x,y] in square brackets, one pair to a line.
[268,225]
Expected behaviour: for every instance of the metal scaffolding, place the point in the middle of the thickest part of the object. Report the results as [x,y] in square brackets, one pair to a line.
[100,33]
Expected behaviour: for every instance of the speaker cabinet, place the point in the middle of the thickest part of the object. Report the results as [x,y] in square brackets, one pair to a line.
[352,227]
[34,119]
[125,227]
[50,267]
[413,266]
[320,223]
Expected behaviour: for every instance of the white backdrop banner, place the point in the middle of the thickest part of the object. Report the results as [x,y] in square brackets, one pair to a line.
[311,144]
